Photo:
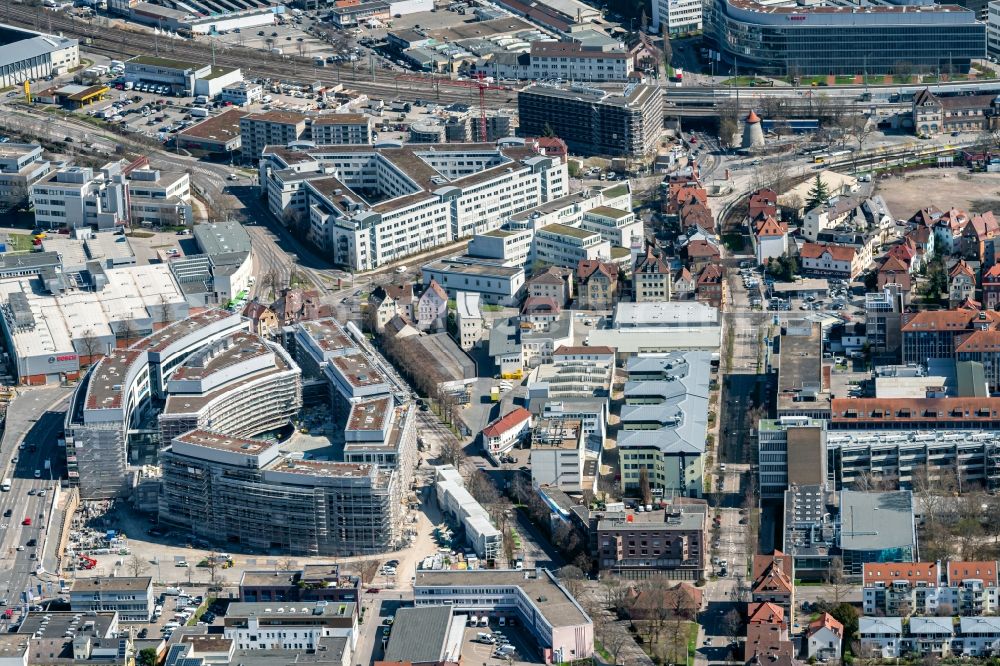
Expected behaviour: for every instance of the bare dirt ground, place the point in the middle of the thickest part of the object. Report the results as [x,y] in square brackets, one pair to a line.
[944,188]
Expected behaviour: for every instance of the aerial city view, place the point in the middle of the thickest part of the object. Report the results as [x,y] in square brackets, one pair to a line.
[488,332]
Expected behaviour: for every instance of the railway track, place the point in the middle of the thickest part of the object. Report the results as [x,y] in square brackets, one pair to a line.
[119,43]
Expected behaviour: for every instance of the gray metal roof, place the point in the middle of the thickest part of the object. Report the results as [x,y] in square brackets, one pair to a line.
[419,634]
[876,521]
[32,47]
[880,625]
[222,238]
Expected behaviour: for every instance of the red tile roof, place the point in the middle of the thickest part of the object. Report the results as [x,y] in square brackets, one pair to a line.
[507,422]
[961,268]
[826,621]
[984,571]
[817,250]
[949,320]
[588,267]
[773,573]
[914,410]
[765,613]
[563,350]
[993,274]
[978,341]
[702,249]
[913,572]
[771,227]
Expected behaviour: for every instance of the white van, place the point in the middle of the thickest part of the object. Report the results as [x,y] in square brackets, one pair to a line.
[485,638]
[484,621]
[169,626]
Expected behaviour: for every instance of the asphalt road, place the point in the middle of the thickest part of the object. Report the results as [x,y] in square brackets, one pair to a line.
[34,419]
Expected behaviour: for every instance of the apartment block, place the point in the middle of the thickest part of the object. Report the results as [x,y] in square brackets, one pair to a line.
[651,278]
[892,638]
[562,245]
[573,61]
[618,227]
[671,542]
[131,598]
[159,198]
[269,128]
[931,588]
[267,626]
[342,128]
[595,122]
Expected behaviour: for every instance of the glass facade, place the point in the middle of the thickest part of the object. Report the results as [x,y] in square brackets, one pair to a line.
[785,42]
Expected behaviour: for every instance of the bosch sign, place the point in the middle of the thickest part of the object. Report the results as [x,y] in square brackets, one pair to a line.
[65,357]
[796,17]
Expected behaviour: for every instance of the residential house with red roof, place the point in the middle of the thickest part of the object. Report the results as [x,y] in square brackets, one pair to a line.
[821,259]
[922,239]
[702,251]
[391,300]
[596,284]
[961,283]
[765,612]
[263,320]
[554,282]
[991,287]
[683,285]
[432,308]
[711,285]
[770,239]
[773,581]
[979,234]
[651,277]
[824,638]
[500,436]
[763,204]
[894,271]
[948,228]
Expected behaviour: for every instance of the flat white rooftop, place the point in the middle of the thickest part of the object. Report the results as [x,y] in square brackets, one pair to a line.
[133,292]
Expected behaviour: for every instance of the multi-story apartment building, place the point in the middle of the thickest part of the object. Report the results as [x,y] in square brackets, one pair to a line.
[663,421]
[495,283]
[77,197]
[670,542]
[932,334]
[468,319]
[342,128]
[791,451]
[21,165]
[595,122]
[651,278]
[831,260]
[555,282]
[500,436]
[269,128]
[891,638]
[931,588]
[426,195]
[269,626]
[573,61]
[596,285]
[131,598]
[774,582]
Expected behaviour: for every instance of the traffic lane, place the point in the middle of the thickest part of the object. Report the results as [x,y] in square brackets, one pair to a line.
[37,446]
[541,552]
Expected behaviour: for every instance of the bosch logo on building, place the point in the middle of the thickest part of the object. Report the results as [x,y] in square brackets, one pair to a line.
[797,17]
[65,357]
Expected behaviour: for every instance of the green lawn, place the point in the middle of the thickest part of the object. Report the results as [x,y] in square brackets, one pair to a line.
[19,243]
[740,81]
[844,80]
[812,80]
[692,630]
[601,650]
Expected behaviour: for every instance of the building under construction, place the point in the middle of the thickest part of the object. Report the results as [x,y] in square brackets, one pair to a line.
[244,491]
[593,121]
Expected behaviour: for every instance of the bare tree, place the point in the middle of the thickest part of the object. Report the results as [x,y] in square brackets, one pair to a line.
[835,579]
[368,569]
[212,567]
[572,578]
[453,453]
[732,624]
[646,495]
[90,346]
[128,330]
[136,565]
[615,640]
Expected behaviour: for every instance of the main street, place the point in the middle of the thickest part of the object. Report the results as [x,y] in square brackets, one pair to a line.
[34,420]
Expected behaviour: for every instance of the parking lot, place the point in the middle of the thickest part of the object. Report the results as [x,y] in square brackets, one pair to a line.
[481,650]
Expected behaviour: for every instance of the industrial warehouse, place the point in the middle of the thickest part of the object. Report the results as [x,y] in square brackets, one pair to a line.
[26,55]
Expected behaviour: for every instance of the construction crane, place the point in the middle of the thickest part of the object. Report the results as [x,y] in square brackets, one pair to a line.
[479,82]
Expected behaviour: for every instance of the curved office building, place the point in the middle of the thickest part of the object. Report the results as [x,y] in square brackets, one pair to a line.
[239,385]
[818,40]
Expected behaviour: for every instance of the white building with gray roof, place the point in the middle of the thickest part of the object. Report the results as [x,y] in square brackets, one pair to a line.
[664,421]
[29,55]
